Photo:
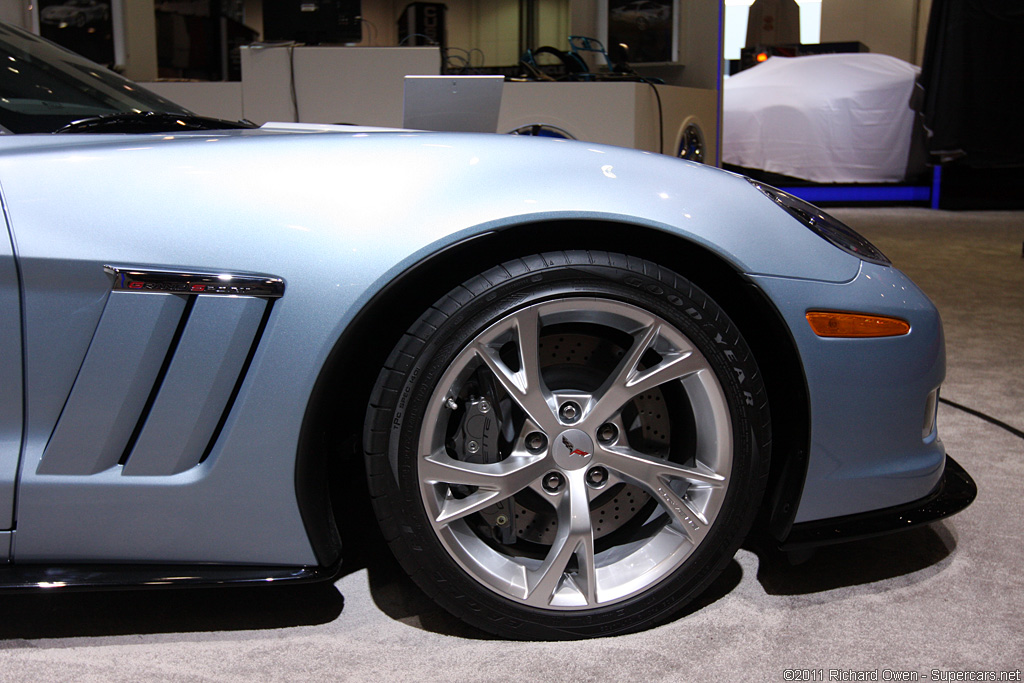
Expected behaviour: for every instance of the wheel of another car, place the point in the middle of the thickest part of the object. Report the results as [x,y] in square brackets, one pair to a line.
[571,444]
[691,143]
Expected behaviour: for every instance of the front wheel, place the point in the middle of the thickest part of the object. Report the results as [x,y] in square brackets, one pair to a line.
[568,445]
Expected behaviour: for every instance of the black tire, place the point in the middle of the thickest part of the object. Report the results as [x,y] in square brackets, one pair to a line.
[642,435]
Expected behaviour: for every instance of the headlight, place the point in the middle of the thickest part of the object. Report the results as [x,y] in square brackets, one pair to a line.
[832,229]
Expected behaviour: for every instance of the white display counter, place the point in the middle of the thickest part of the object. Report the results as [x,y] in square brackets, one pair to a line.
[614,113]
[365,86]
[362,85]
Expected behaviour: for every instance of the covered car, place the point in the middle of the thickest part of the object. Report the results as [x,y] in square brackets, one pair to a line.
[837,118]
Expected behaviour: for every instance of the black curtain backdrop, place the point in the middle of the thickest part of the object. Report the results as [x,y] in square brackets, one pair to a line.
[973,83]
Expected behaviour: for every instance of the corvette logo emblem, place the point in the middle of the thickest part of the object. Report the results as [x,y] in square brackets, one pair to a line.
[572,449]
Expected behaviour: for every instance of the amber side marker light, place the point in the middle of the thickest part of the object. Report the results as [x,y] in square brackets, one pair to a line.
[829,324]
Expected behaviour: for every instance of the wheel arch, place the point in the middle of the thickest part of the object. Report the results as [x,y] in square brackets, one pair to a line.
[333,423]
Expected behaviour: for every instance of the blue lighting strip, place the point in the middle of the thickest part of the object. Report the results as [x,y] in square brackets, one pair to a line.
[864,193]
[719,89]
[936,184]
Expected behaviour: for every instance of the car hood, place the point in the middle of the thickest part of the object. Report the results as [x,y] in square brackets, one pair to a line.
[417,191]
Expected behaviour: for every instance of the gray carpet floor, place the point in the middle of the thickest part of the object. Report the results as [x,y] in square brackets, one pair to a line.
[945,598]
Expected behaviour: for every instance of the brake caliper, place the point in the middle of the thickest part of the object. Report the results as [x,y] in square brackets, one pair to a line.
[477,437]
[477,440]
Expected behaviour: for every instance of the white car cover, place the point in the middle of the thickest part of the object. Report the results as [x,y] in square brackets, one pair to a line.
[842,118]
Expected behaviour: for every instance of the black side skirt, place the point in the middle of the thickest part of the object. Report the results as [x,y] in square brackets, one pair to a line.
[955,491]
[16,578]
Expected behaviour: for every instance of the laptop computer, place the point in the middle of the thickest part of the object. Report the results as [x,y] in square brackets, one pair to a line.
[453,103]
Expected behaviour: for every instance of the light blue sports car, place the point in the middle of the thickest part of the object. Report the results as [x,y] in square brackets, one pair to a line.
[579,376]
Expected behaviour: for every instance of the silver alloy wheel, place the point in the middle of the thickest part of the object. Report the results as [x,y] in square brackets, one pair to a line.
[691,145]
[579,462]
[543,130]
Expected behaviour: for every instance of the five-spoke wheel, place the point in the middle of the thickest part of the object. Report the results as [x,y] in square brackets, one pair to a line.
[568,446]
[581,395]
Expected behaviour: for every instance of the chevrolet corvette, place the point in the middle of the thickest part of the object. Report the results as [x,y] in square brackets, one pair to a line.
[578,376]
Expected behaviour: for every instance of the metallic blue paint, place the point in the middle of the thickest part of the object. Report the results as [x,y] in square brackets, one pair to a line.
[338,215]
[113,384]
[867,396]
[202,374]
[10,383]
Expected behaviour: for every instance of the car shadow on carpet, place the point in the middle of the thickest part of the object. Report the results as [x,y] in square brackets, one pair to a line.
[395,594]
[150,611]
[908,556]
[911,555]
[874,564]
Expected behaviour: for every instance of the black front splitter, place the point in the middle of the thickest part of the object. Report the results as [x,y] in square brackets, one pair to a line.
[955,491]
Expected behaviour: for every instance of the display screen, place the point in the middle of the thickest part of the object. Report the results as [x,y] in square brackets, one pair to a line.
[642,30]
[313,22]
[83,26]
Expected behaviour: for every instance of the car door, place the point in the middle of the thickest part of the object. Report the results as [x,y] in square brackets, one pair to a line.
[10,387]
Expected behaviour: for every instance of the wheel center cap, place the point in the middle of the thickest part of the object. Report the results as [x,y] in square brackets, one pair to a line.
[573,449]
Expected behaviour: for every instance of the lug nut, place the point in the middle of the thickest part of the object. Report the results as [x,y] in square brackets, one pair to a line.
[553,482]
[607,432]
[597,477]
[570,411]
[536,442]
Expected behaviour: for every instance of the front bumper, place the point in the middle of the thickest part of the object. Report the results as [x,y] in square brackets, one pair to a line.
[955,491]
[868,398]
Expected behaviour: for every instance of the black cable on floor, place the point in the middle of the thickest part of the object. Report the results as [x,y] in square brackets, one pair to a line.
[987,418]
